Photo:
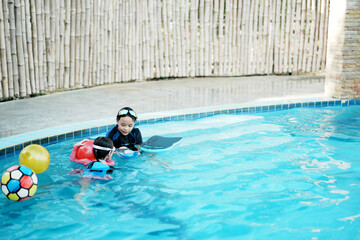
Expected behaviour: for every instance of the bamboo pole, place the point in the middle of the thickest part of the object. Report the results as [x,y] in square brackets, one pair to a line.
[114,40]
[45,21]
[188,36]
[132,40]
[126,48]
[183,39]
[306,38]
[238,34]
[155,43]
[4,86]
[316,37]
[20,50]
[154,65]
[13,47]
[146,42]
[109,19]
[312,33]
[57,45]
[271,68]
[244,38]
[277,37]
[227,42]
[139,71]
[287,37]
[34,44]
[269,65]
[86,42]
[81,42]
[325,36]
[78,38]
[230,38]
[40,44]
[258,39]
[72,43]
[91,44]
[221,38]
[176,38]
[252,36]
[263,28]
[207,34]
[291,45]
[282,38]
[302,34]
[47,34]
[67,27]
[60,22]
[232,52]
[108,35]
[94,55]
[119,43]
[160,40]
[321,36]
[215,43]
[50,40]
[193,37]
[9,62]
[296,38]
[101,44]
[27,61]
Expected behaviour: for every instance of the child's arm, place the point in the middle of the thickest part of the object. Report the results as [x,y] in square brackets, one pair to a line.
[139,141]
[81,142]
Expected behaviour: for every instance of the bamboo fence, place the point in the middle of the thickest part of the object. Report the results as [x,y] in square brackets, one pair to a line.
[46,45]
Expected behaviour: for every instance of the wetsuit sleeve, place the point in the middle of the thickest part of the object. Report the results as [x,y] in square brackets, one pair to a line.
[139,140]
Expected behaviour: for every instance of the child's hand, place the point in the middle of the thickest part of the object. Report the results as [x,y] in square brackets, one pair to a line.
[81,142]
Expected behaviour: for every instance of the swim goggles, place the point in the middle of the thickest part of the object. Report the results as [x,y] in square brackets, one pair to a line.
[104,148]
[127,111]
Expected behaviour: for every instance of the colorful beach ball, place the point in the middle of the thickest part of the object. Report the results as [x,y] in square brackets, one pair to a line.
[19,183]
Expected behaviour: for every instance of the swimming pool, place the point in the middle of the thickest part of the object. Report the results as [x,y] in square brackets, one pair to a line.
[290,174]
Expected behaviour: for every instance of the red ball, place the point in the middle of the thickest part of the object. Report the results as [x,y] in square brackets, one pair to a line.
[86,151]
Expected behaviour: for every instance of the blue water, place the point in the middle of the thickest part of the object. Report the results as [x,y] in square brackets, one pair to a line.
[291,174]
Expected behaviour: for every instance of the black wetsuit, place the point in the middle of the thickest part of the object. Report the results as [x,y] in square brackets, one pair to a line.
[130,141]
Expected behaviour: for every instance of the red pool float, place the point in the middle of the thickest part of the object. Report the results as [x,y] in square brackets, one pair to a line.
[84,153]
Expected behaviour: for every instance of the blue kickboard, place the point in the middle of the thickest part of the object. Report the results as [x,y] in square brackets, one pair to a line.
[159,143]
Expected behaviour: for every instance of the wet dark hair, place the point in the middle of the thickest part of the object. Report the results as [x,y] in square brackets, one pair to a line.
[130,113]
[105,143]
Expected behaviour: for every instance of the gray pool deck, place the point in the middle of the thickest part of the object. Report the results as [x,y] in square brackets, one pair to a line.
[90,105]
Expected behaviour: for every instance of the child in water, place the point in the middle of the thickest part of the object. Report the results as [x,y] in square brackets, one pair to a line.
[124,135]
[103,149]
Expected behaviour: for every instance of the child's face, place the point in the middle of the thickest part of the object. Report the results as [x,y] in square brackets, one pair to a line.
[125,125]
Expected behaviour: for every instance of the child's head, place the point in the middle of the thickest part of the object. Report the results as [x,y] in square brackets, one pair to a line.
[126,119]
[103,148]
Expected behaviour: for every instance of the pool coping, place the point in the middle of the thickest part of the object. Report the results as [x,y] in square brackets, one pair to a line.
[11,146]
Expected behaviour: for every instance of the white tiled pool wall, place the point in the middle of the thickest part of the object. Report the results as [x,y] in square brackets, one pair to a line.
[15,149]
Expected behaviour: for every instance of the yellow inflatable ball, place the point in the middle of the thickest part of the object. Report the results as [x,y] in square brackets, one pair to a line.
[35,157]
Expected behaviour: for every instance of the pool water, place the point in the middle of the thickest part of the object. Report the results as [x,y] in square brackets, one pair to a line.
[291,174]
